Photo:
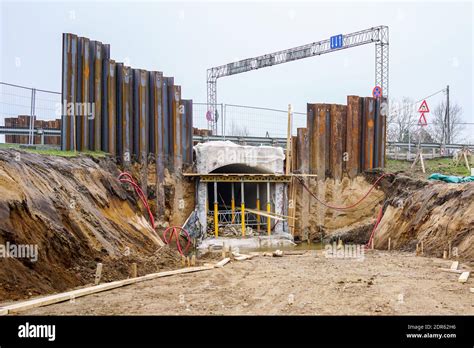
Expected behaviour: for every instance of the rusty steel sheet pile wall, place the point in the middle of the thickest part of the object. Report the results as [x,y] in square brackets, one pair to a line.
[341,140]
[129,113]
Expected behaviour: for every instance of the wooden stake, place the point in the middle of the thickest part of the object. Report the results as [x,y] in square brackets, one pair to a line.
[449,249]
[422,248]
[223,251]
[193,260]
[372,246]
[188,261]
[445,254]
[134,270]
[183,261]
[98,273]
[389,242]
[288,142]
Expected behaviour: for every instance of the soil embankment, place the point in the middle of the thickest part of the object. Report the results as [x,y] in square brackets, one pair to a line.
[77,214]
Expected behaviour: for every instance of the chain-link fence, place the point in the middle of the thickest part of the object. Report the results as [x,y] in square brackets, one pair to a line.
[29,115]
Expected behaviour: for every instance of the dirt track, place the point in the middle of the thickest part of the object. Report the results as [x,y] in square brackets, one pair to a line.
[310,284]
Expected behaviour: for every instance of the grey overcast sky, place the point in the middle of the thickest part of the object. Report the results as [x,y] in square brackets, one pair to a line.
[431,45]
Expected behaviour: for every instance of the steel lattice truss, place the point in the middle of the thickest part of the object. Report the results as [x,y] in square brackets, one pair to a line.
[377,35]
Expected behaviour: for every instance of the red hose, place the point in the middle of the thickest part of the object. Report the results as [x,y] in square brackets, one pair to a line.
[343,208]
[379,217]
[125,177]
[174,232]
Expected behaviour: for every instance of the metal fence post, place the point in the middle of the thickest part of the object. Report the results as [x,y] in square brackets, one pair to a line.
[31,138]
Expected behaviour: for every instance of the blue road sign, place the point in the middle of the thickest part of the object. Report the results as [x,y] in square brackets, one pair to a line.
[336,41]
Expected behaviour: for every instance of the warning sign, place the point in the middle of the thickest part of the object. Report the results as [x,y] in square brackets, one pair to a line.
[424,107]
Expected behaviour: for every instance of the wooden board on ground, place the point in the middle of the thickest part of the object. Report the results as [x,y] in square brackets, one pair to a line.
[221,263]
[471,290]
[463,277]
[458,271]
[455,265]
[66,296]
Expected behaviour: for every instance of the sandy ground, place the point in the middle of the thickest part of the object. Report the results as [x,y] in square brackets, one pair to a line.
[382,284]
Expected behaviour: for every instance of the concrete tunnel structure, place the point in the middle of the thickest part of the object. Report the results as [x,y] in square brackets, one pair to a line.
[256,169]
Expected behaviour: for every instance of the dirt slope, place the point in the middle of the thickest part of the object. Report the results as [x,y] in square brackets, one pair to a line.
[78,214]
[430,211]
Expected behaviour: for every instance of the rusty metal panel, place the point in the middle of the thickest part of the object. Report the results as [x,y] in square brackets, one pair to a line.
[188,134]
[124,112]
[322,130]
[335,141]
[68,98]
[383,131]
[85,90]
[135,114]
[111,128]
[165,123]
[310,125]
[302,152]
[380,129]
[78,118]
[369,133]
[143,116]
[344,138]
[176,127]
[156,102]
[97,96]
[353,131]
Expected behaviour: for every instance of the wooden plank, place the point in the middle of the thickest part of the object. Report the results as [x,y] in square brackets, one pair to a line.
[471,290]
[222,263]
[66,296]
[464,277]
[454,265]
[451,270]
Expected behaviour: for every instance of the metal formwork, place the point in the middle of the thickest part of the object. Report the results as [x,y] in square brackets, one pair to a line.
[135,112]
[342,140]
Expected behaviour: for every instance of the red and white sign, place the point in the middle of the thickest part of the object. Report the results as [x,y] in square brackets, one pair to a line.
[423,109]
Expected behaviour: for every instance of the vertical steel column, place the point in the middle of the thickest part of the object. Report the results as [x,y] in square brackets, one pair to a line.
[369,134]
[143,116]
[321,129]
[97,96]
[78,118]
[353,134]
[216,211]
[335,138]
[176,128]
[269,209]
[166,127]
[111,108]
[68,97]
[86,82]
[135,124]
[242,203]
[156,85]
[258,207]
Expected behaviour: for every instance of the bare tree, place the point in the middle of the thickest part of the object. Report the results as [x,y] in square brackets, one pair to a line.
[237,130]
[400,119]
[438,131]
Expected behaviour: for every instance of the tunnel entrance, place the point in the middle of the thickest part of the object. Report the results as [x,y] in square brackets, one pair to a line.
[240,189]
